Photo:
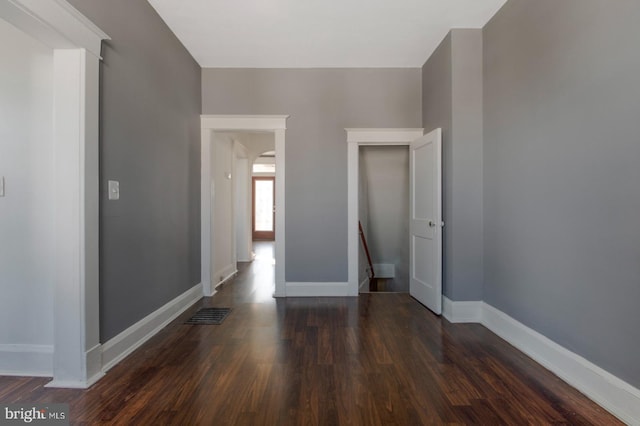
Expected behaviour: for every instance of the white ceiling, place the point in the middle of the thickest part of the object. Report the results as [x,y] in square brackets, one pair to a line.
[318,33]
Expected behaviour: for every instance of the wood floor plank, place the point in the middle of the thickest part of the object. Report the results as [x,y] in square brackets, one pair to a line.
[379,359]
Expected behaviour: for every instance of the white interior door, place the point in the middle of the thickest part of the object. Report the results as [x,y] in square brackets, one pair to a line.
[425,177]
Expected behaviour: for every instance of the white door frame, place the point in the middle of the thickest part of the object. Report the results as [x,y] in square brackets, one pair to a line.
[76,357]
[356,138]
[277,124]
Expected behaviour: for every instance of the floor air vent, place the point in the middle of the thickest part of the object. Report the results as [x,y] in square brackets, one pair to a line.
[206,316]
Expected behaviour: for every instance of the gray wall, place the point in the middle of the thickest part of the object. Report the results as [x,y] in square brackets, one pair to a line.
[452,100]
[321,102]
[150,142]
[386,172]
[437,112]
[562,174]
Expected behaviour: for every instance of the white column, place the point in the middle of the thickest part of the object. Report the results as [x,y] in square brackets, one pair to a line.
[77,351]
[280,290]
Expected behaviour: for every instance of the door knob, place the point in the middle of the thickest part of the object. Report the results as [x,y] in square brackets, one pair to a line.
[431,224]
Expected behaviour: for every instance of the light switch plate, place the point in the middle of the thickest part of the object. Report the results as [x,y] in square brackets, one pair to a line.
[114,190]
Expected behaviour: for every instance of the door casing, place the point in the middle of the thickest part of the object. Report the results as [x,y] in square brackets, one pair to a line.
[277,124]
[357,137]
[74,360]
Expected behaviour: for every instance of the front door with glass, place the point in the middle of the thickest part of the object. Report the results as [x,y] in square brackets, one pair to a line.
[264,210]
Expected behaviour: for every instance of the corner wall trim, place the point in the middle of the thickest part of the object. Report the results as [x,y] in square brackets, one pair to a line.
[615,395]
[461,312]
[68,384]
[116,349]
[317,289]
[94,372]
[26,360]
[55,23]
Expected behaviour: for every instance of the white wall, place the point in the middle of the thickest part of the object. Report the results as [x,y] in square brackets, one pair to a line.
[257,143]
[242,182]
[27,210]
[224,262]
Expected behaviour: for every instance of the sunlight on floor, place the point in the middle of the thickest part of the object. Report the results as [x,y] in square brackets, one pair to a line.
[264,251]
[263,269]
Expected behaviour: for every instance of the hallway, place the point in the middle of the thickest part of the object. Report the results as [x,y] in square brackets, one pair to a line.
[375,359]
[255,281]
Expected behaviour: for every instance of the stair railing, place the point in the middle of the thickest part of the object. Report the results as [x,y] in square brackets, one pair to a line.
[372,275]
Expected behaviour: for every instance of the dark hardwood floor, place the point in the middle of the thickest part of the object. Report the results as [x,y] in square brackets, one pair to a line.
[379,359]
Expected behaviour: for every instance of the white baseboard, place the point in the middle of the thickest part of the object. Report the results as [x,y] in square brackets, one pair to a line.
[317,289]
[226,276]
[94,372]
[75,384]
[94,364]
[460,312]
[37,361]
[615,395]
[384,270]
[26,360]
[116,349]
